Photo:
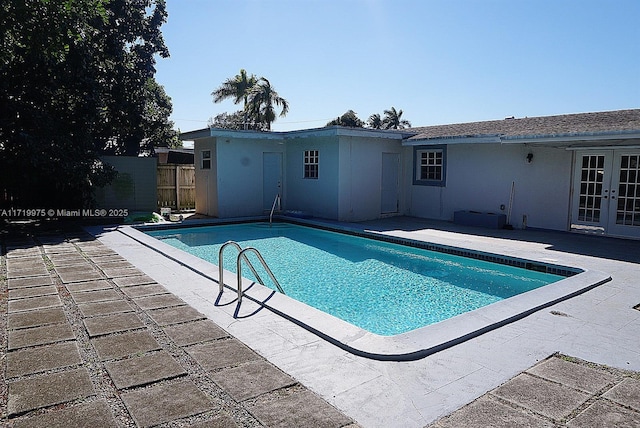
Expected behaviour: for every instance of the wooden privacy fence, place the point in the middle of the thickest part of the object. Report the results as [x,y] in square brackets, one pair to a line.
[177,186]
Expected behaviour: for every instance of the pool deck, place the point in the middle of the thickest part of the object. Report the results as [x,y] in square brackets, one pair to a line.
[502,373]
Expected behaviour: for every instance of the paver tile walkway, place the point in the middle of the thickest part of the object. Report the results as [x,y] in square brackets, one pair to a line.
[105,308]
[95,414]
[34,360]
[175,315]
[163,403]
[251,379]
[47,390]
[21,293]
[117,346]
[38,318]
[29,282]
[95,296]
[34,303]
[559,391]
[89,340]
[39,335]
[626,393]
[113,323]
[299,408]
[190,333]
[144,370]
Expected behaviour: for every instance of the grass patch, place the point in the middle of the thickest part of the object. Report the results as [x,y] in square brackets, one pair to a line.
[143,217]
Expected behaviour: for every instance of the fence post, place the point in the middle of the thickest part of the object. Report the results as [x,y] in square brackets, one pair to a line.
[178,187]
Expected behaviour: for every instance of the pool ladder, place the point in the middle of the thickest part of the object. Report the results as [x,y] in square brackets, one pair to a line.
[242,255]
[276,201]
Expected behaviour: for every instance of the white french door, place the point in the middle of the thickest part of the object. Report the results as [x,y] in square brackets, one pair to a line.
[626,201]
[607,192]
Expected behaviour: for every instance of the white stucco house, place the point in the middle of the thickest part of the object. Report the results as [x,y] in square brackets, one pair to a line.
[568,172]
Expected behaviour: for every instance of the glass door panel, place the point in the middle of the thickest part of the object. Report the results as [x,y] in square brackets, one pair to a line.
[591,191]
[625,195]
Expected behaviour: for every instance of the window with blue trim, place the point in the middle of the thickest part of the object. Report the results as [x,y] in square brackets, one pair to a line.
[429,165]
[206,159]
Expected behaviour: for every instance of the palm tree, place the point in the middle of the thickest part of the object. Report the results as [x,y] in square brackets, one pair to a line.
[238,88]
[375,121]
[262,102]
[392,120]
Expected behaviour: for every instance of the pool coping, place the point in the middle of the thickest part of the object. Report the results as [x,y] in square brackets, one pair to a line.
[409,346]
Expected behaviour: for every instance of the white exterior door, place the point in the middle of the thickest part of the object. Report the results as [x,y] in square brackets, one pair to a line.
[607,192]
[271,178]
[390,183]
[624,217]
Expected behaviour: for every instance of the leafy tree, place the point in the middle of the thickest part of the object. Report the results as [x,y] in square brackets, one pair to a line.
[238,88]
[263,100]
[375,121]
[76,81]
[393,120]
[236,120]
[349,118]
[157,128]
[130,40]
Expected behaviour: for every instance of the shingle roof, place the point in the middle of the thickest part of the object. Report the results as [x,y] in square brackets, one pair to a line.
[569,124]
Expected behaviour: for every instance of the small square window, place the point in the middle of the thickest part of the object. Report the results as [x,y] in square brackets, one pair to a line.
[430,165]
[311,163]
[206,159]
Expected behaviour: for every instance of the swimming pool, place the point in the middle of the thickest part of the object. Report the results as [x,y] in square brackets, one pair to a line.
[381,287]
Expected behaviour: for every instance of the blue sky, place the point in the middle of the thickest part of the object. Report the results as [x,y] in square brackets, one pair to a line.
[440,61]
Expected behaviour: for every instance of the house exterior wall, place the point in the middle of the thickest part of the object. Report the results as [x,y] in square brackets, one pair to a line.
[348,187]
[479,177]
[206,179]
[240,174]
[317,197]
[360,176]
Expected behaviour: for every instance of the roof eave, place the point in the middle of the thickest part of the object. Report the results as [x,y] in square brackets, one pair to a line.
[572,138]
[302,133]
[195,135]
[471,139]
[526,139]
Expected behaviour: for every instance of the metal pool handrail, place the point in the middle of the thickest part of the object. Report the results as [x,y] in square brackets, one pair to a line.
[243,256]
[273,207]
[264,264]
[221,263]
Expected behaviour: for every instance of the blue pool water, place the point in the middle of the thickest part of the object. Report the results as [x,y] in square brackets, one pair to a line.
[381,287]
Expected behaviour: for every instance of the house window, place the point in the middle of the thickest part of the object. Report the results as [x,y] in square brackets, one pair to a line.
[311,164]
[206,159]
[430,165]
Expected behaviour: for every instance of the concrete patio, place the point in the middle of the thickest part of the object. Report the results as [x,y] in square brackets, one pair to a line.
[107,332]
